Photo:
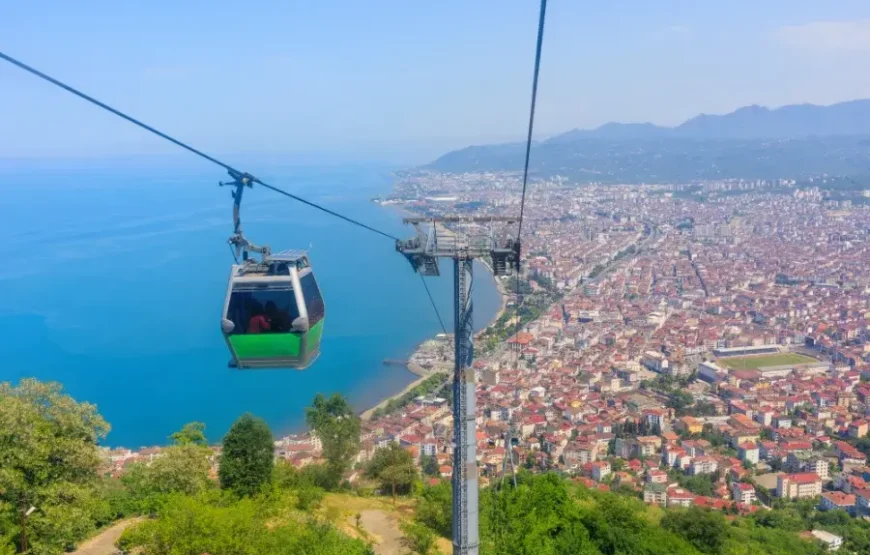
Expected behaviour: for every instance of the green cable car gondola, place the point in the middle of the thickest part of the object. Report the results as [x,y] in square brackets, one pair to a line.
[273,312]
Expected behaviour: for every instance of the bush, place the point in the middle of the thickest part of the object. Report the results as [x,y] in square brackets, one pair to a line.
[418,538]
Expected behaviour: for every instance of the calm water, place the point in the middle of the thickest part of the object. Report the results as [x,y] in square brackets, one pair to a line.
[113,282]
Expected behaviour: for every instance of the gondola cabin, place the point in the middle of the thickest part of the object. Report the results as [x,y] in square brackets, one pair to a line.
[273,313]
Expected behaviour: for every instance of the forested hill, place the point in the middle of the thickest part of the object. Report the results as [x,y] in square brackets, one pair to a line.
[752,142]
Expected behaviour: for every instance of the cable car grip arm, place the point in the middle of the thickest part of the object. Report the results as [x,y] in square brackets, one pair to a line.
[238,240]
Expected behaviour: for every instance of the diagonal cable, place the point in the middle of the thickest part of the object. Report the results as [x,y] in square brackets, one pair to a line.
[183,145]
[538,49]
[434,307]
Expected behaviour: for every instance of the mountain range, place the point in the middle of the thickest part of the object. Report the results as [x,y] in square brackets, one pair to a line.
[751,142]
[749,122]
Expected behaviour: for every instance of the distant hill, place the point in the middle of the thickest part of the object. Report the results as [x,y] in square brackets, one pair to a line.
[751,142]
[749,122]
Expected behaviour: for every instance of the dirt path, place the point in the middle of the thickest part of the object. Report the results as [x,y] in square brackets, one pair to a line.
[104,542]
[385,531]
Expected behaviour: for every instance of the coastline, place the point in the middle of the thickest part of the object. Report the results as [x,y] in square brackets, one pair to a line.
[423,374]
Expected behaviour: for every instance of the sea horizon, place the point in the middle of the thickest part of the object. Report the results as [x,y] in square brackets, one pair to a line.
[116,278]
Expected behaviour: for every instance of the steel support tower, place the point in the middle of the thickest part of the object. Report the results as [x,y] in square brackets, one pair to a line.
[424,252]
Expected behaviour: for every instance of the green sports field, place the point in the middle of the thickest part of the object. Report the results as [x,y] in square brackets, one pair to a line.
[760,361]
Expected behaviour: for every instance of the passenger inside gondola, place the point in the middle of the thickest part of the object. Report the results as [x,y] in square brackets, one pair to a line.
[256,312]
[278,319]
[259,323]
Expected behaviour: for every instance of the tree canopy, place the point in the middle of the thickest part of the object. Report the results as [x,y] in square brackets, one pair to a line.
[248,455]
[49,460]
[394,468]
[546,514]
[193,433]
[338,428]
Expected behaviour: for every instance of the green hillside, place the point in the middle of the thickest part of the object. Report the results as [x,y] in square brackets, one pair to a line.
[50,460]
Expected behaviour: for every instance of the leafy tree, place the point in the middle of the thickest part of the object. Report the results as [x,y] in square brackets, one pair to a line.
[180,469]
[338,428]
[393,467]
[703,528]
[193,433]
[680,400]
[430,466]
[434,508]
[700,484]
[248,456]
[48,460]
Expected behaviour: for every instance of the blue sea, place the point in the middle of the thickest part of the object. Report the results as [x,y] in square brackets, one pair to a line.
[113,279]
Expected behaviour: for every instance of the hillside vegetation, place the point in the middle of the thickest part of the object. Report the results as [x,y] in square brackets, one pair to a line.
[50,461]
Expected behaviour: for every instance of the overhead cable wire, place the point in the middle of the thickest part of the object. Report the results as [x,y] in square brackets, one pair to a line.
[183,145]
[209,158]
[518,324]
[538,48]
[434,307]
[532,111]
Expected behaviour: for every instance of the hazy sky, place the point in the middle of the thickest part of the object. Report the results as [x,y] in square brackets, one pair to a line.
[406,79]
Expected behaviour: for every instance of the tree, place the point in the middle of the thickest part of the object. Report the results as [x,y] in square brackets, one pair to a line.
[393,467]
[338,428]
[434,508]
[193,433]
[703,528]
[248,456]
[679,400]
[48,460]
[430,466]
[701,484]
[180,469]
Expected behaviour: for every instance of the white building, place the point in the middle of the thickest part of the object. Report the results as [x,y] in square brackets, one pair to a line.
[743,493]
[833,541]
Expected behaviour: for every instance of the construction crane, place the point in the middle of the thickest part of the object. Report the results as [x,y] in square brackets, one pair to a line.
[433,242]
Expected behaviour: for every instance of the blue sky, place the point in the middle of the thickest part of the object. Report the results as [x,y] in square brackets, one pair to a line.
[406,80]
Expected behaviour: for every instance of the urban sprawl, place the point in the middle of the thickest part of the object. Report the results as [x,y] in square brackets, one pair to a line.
[699,344]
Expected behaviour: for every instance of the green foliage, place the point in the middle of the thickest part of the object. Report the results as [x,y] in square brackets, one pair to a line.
[430,466]
[542,516]
[247,457]
[803,515]
[193,433]
[249,526]
[548,515]
[863,445]
[418,538]
[393,467]
[338,427]
[48,460]
[703,528]
[680,400]
[701,484]
[433,508]
[180,469]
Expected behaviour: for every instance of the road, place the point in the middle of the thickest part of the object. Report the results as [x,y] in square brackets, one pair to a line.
[384,527]
[104,542]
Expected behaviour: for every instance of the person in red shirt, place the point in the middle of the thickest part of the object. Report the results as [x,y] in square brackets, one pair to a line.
[258,324]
